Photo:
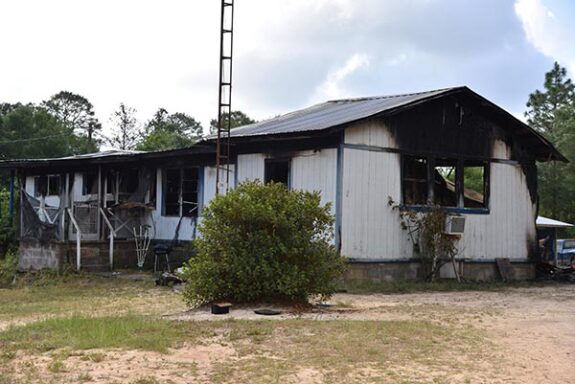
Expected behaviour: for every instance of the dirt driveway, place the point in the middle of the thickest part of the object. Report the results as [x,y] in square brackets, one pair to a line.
[533,329]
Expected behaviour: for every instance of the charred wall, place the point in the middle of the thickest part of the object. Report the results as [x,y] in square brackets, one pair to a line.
[454,127]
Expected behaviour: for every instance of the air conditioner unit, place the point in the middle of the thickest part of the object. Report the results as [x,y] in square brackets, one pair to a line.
[454,225]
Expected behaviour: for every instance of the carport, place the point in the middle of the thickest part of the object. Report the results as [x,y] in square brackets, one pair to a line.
[547,236]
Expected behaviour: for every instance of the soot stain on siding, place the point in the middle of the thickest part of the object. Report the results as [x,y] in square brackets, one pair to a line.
[452,127]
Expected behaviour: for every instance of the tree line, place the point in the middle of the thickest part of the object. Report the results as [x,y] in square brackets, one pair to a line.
[551,112]
[66,124]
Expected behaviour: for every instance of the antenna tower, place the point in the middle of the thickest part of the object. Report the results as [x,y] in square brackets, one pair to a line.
[225,97]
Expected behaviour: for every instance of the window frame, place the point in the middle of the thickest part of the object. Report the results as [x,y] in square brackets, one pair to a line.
[459,184]
[275,160]
[38,182]
[181,203]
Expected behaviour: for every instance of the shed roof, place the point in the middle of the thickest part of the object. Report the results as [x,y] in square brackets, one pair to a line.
[545,222]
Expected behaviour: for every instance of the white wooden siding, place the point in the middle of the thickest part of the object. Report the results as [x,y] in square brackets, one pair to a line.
[316,171]
[210,182]
[509,228]
[251,167]
[371,229]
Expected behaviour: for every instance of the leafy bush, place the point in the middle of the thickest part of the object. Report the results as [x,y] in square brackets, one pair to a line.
[8,267]
[263,242]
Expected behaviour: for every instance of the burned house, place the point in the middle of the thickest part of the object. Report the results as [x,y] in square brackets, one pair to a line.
[450,148]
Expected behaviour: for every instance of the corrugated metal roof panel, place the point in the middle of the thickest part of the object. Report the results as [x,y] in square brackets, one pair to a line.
[333,113]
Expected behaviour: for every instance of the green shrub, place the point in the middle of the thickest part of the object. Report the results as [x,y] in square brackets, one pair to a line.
[8,267]
[263,242]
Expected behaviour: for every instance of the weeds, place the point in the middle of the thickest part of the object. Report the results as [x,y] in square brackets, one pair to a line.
[56,366]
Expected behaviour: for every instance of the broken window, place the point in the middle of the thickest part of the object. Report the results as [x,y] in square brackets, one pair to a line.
[47,185]
[447,182]
[415,186]
[181,187]
[277,171]
[129,180]
[444,183]
[40,186]
[53,185]
[189,192]
[474,184]
[172,182]
[89,183]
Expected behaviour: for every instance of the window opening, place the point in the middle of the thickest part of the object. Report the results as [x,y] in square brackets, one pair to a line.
[47,185]
[415,188]
[40,186]
[189,192]
[444,183]
[54,185]
[172,192]
[90,183]
[129,181]
[181,190]
[277,171]
[475,185]
[447,182]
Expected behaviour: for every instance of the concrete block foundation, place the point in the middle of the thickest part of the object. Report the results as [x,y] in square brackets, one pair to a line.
[413,270]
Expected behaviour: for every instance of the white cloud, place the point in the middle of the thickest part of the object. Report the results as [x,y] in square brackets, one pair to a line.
[546,32]
[151,54]
[332,87]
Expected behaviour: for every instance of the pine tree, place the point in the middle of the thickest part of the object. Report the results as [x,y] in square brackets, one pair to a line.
[127,132]
[552,113]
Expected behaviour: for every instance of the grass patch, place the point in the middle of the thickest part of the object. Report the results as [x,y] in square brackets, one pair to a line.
[267,350]
[270,351]
[39,297]
[81,333]
[56,366]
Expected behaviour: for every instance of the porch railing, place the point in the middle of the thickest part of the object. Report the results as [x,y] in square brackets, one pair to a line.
[112,236]
[78,238]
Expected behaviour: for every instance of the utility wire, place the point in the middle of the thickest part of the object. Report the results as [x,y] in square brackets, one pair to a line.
[33,139]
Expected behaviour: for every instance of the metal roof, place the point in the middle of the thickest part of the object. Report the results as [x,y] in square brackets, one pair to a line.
[95,155]
[337,113]
[334,113]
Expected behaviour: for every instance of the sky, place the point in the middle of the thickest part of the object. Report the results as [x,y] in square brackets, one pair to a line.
[288,54]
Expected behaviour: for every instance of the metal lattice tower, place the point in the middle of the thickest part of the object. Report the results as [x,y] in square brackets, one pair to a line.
[225,97]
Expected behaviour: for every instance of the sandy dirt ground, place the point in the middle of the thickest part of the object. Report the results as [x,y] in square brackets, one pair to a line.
[532,331]
[534,328]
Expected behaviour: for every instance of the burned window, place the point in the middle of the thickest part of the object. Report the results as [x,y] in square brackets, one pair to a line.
[277,171]
[153,188]
[444,182]
[90,183]
[189,192]
[129,180]
[447,182]
[475,184]
[172,183]
[181,187]
[53,185]
[415,186]
[47,185]
[40,186]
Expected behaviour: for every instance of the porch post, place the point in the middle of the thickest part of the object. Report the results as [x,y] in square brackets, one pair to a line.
[99,221]
[11,201]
